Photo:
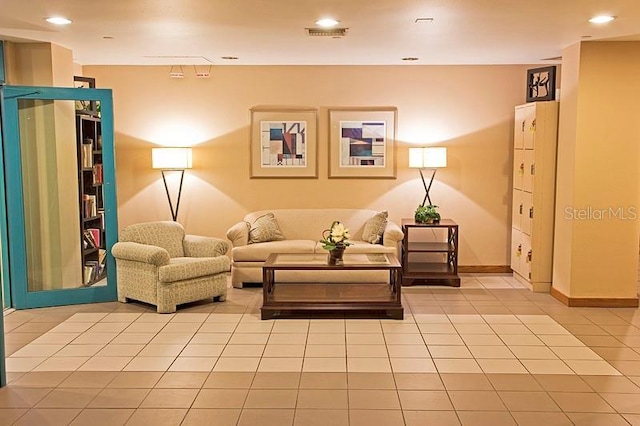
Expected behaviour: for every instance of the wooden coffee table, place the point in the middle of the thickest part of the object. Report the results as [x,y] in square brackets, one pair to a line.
[308,297]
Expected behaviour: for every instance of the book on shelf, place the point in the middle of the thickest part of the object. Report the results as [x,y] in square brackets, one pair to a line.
[87,154]
[89,205]
[97,173]
[88,237]
[101,214]
[95,235]
[91,271]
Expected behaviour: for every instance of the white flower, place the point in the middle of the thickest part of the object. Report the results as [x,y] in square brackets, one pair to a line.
[339,233]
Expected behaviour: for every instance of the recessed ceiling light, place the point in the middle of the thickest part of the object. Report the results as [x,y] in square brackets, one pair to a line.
[327,22]
[229,58]
[423,20]
[58,20]
[108,37]
[602,19]
[410,58]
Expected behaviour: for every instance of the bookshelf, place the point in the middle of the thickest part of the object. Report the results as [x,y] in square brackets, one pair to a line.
[91,198]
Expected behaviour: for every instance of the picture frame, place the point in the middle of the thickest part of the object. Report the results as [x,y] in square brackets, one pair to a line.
[541,84]
[85,107]
[283,142]
[362,142]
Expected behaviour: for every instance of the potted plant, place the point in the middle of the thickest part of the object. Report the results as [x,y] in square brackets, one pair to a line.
[427,214]
[335,239]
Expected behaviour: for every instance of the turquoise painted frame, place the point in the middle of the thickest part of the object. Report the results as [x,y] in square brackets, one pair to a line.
[21,297]
[4,240]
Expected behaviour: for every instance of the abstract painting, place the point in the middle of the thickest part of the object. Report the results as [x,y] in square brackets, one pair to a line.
[362,142]
[283,142]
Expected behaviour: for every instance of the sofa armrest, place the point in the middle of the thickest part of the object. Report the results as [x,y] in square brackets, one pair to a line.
[238,234]
[197,246]
[392,235]
[127,250]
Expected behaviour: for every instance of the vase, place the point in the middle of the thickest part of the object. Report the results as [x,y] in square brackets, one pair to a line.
[335,256]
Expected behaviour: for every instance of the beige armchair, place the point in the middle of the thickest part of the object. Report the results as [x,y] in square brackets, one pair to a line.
[157,263]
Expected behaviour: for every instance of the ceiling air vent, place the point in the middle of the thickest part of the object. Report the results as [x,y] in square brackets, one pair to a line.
[327,32]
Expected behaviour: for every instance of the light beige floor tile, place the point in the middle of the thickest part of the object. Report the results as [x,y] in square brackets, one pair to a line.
[326,326]
[408,351]
[581,402]
[34,351]
[40,379]
[323,380]
[56,338]
[249,339]
[443,339]
[320,417]
[612,384]
[474,329]
[363,327]
[184,363]
[538,418]
[135,379]
[373,399]
[559,340]
[424,400]
[69,363]
[159,350]
[364,339]
[440,418]
[182,317]
[322,399]
[72,327]
[202,350]
[163,338]
[418,381]
[431,319]
[533,352]
[437,328]
[412,365]
[586,367]
[284,351]
[86,317]
[22,364]
[367,351]
[547,329]
[281,364]
[181,327]
[91,338]
[149,363]
[627,403]
[290,339]
[486,418]
[324,365]
[212,417]
[482,340]
[11,397]
[492,352]
[501,319]
[9,415]
[216,317]
[590,419]
[144,327]
[170,398]
[562,383]
[221,398]
[375,417]
[103,417]
[182,380]
[48,416]
[371,381]
[266,417]
[108,327]
[476,400]
[157,417]
[528,401]
[259,327]
[247,350]
[444,351]
[154,317]
[133,339]
[326,351]
[271,398]
[573,352]
[517,329]
[276,380]
[210,339]
[120,317]
[117,350]
[404,339]
[79,350]
[502,366]
[514,382]
[237,364]
[368,365]
[521,340]
[458,381]
[230,380]
[546,366]
[291,326]
[119,398]
[112,363]
[68,398]
[217,327]
[393,328]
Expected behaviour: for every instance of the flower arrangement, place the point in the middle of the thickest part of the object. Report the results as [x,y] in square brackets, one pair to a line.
[335,237]
[427,214]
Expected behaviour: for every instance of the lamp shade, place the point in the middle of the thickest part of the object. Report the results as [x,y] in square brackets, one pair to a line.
[435,157]
[416,157]
[171,158]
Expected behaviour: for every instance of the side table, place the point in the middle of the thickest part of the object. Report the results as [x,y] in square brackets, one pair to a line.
[433,262]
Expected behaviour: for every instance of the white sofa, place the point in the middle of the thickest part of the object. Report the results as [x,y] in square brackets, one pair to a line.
[302,229]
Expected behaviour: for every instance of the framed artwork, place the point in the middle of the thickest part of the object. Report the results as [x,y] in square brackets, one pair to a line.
[541,84]
[283,142]
[362,142]
[85,107]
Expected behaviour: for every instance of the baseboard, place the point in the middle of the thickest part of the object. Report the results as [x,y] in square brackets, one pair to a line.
[484,269]
[594,302]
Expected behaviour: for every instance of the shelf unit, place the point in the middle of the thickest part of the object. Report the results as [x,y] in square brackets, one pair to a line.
[534,179]
[91,198]
[430,262]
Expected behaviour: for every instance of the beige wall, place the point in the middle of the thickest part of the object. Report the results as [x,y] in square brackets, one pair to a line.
[469,109]
[596,254]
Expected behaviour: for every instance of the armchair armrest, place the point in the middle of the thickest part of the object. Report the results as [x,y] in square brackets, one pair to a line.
[197,246]
[392,234]
[127,250]
[238,234]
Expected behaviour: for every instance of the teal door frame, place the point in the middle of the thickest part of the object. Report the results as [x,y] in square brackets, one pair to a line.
[3,240]
[10,165]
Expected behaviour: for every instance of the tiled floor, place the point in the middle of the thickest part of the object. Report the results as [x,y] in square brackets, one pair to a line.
[489,353]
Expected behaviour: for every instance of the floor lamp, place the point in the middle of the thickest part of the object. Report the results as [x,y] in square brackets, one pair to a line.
[172,159]
[427,158]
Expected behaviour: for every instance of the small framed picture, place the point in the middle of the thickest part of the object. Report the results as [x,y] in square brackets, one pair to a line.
[362,142]
[283,142]
[541,84]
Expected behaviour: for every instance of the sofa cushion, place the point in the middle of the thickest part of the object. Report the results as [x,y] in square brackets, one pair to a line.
[186,268]
[374,228]
[265,228]
[260,251]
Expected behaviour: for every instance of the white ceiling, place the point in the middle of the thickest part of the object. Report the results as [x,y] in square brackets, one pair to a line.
[272,32]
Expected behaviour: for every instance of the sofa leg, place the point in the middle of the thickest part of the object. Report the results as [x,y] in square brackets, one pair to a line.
[221,298]
[166,309]
[122,299]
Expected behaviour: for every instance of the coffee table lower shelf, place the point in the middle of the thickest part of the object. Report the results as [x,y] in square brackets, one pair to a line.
[307,298]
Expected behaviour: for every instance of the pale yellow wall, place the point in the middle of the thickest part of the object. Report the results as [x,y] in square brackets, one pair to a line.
[469,109]
[602,250]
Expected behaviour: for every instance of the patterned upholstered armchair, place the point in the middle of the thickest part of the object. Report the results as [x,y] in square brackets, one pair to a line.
[158,264]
